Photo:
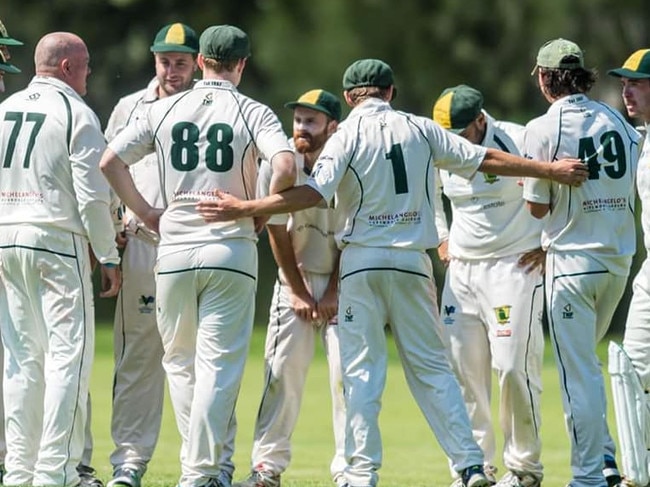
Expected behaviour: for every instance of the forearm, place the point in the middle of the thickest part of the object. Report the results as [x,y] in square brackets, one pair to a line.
[118,175]
[97,221]
[293,199]
[285,258]
[506,164]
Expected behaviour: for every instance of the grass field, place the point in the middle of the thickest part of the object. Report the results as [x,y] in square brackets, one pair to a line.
[412,456]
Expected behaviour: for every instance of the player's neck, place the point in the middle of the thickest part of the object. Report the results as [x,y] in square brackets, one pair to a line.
[310,158]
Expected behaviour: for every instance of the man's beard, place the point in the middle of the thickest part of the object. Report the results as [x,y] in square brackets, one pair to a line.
[306,143]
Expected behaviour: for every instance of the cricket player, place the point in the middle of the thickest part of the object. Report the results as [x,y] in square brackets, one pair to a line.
[139,378]
[208,137]
[632,398]
[5,67]
[304,303]
[492,301]
[53,202]
[589,236]
[381,165]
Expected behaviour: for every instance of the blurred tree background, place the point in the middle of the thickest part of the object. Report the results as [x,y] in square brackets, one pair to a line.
[299,45]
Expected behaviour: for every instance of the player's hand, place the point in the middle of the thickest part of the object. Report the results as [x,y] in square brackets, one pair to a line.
[120,240]
[532,260]
[225,207]
[259,222]
[111,281]
[569,171]
[303,306]
[151,219]
[443,252]
[327,307]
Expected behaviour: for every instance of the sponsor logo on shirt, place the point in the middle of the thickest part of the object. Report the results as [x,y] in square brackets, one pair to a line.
[567,312]
[604,204]
[389,219]
[20,198]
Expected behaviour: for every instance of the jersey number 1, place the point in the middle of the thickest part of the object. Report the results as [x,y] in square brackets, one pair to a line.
[396,157]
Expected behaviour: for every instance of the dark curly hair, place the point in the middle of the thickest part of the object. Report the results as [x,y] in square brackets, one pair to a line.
[562,82]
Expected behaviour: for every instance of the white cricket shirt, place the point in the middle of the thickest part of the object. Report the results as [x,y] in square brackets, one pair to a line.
[311,230]
[490,218]
[380,163]
[50,145]
[145,172]
[205,138]
[598,216]
[643,185]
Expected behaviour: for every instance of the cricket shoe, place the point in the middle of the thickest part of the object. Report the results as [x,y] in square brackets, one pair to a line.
[489,471]
[514,479]
[88,476]
[611,472]
[474,476]
[260,478]
[126,476]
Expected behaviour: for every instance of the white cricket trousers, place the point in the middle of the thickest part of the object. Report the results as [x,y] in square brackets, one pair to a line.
[206,305]
[290,344]
[492,310]
[636,340]
[139,377]
[394,286]
[582,297]
[48,329]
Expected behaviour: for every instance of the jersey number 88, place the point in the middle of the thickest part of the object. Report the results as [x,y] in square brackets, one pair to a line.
[185,148]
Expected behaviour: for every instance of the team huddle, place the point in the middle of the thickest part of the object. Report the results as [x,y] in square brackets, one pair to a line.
[168,202]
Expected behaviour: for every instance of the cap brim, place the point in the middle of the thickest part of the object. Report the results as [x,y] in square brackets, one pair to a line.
[9,68]
[8,41]
[318,108]
[627,73]
[173,49]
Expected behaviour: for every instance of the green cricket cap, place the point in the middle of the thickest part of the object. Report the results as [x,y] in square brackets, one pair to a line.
[560,54]
[176,38]
[368,72]
[224,43]
[5,39]
[6,67]
[457,107]
[321,101]
[637,66]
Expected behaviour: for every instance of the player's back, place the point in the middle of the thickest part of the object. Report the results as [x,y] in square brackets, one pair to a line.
[37,181]
[207,138]
[598,216]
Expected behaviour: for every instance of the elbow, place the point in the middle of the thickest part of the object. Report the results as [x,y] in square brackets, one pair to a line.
[537,210]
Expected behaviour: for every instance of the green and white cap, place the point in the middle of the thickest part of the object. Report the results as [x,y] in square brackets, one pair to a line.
[176,38]
[321,101]
[560,54]
[6,67]
[457,107]
[637,66]
[5,40]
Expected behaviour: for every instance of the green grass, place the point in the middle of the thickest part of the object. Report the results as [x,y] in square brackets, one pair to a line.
[412,456]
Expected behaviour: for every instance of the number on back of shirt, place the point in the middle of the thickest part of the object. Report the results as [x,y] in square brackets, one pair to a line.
[185,150]
[396,157]
[609,156]
[18,119]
